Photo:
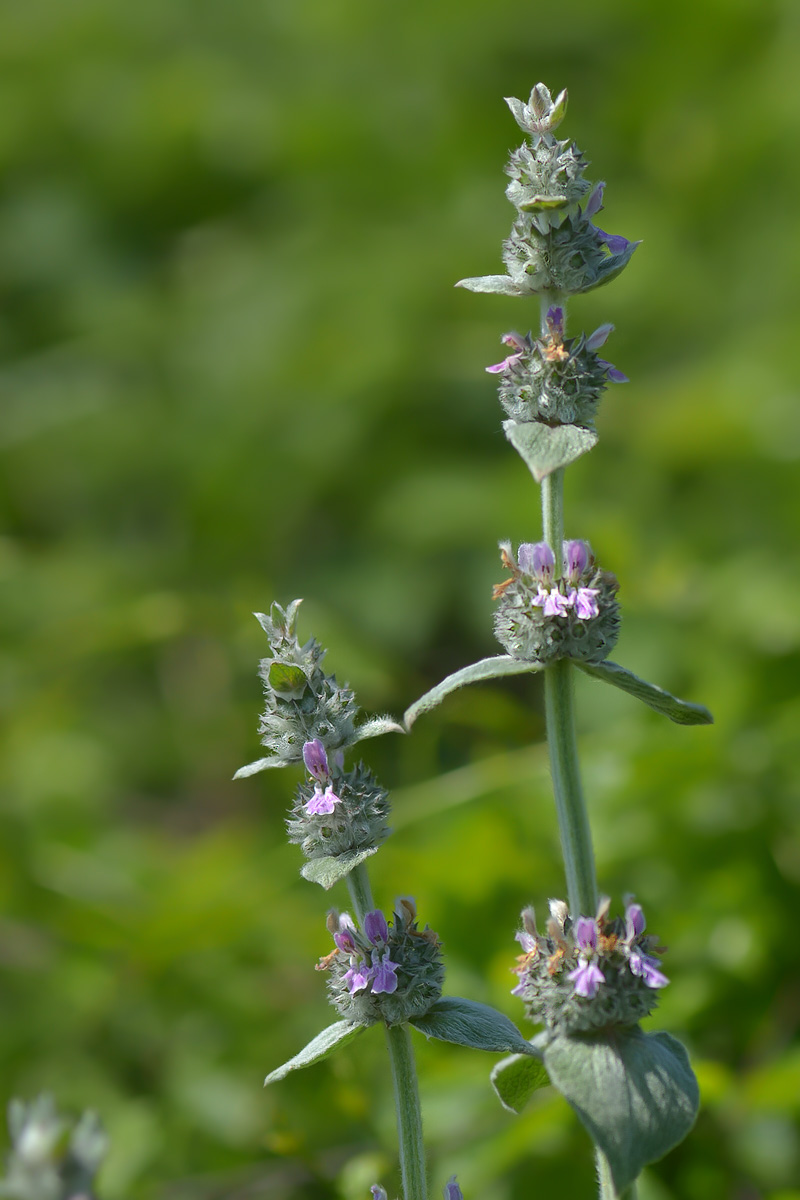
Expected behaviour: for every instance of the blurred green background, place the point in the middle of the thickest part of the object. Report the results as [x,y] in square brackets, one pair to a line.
[235,369]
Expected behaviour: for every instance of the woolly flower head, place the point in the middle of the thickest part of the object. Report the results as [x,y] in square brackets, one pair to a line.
[588,974]
[385,971]
[549,610]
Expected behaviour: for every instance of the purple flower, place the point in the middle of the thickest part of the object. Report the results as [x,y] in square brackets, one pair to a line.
[375,927]
[378,1193]
[384,973]
[647,967]
[537,559]
[634,922]
[452,1191]
[342,928]
[586,933]
[322,803]
[587,978]
[599,337]
[556,604]
[577,556]
[585,603]
[526,940]
[616,243]
[555,322]
[357,977]
[595,201]
[520,345]
[613,374]
[316,760]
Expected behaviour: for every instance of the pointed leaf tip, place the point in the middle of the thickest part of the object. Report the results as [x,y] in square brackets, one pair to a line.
[487,668]
[682,712]
[317,1049]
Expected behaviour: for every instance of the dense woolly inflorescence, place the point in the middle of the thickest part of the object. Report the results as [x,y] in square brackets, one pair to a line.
[348,814]
[555,379]
[390,972]
[544,614]
[301,701]
[589,974]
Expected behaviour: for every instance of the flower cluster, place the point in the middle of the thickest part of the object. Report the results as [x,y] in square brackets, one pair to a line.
[543,614]
[553,379]
[302,702]
[337,811]
[588,974]
[383,972]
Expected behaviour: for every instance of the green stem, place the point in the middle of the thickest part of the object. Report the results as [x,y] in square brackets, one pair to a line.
[573,820]
[409,1116]
[358,886]
[404,1071]
[605,1183]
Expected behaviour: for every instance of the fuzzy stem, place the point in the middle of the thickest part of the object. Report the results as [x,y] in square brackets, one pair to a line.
[605,1183]
[404,1071]
[573,821]
[358,886]
[409,1116]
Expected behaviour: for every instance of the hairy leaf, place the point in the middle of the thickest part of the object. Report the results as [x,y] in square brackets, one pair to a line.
[683,712]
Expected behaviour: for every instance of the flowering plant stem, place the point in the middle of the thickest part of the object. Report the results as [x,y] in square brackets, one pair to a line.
[573,821]
[404,1071]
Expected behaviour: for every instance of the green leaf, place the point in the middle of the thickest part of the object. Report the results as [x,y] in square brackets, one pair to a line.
[377,726]
[318,1048]
[329,870]
[287,679]
[635,1093]
[515,1079]
[683,712]
[487,668]
[545,448]
[467,1023]
[502,285]
[263,764]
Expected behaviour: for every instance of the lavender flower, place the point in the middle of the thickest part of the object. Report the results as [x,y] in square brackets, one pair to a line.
[322,803]
[383,973]
[316,760]
[584,601]
[577,556]
[536,559]
[522,346]
[647,968]
[452,1191]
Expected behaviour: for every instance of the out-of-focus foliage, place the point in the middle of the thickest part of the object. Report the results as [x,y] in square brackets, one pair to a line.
[234,368]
